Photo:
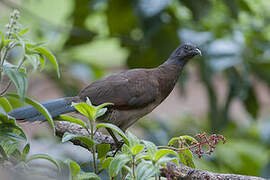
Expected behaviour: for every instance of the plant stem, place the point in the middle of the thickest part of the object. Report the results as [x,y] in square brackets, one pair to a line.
[94,147]
[133,167]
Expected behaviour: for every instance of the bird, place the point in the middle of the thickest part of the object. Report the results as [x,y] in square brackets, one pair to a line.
[134,93]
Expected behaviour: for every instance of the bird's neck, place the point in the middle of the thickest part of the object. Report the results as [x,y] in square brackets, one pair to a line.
[168,74]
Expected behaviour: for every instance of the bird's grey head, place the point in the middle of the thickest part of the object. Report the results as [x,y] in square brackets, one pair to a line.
[185,52]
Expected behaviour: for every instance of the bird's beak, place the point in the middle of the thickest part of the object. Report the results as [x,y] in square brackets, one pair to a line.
[198,52]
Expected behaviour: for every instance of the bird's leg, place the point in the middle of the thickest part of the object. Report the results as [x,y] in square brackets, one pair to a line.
[118,143]
[113,136]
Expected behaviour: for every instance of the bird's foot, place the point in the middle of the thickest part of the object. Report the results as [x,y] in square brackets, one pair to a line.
[119,145]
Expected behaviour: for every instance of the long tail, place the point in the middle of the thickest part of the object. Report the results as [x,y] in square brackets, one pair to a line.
[55,107]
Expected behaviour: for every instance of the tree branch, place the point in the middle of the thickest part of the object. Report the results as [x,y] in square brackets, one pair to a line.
[171,171]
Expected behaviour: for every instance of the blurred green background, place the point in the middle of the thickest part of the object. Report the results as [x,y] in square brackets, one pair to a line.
[225,91]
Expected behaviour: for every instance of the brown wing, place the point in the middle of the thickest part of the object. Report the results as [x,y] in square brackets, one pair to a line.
[127,90]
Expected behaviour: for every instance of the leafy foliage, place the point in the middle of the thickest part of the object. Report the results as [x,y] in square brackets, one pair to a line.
[138,159]
[12,136]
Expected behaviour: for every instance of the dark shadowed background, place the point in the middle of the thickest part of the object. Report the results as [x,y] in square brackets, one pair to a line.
[225,91]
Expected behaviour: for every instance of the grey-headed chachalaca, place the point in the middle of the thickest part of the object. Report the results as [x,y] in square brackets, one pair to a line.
[134,93]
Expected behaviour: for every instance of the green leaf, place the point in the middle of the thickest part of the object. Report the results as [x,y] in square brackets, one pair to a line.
[144,170]
[165,159]
[114,128]
[85,140]
[151,149]
[132,139]
[103,105]
[86,109]
[125,149]
[72,120]
[117,163]
[102,150]
[88,175]
[163,152]
[173,140]
[74,169]
[5,104]
[191,139]
[22,32]
[2,40]
[50,57]
[106,163]
[101,112]
[38,106]
[26,150]
[137,149]
[186,158]
[42,61]
[143,156]
[42,156]
[9,129]
[19,79]
[34,61]
[10,147]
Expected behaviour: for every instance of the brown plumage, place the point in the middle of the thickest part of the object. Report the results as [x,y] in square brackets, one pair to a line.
[134,93]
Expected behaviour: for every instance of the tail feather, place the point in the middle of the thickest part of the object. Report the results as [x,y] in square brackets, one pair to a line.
[55,108]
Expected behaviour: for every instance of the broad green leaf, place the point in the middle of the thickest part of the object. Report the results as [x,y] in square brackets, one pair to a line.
[151,149]
[25,151]
[163,152]
[102,150]
[72,120]
[9,129]
[74,169]
[50,57]
[132,139]
[101,112]
[137,149]
[117,163]
[106,163]
[42,156]
[88,175]
[165,159]
[19,79]
[38,106]
[5,104]
[34,61]
[145,170]
[125,149]
[85,140]
[86,109]
[114,128]
[143,156]
[186,158]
